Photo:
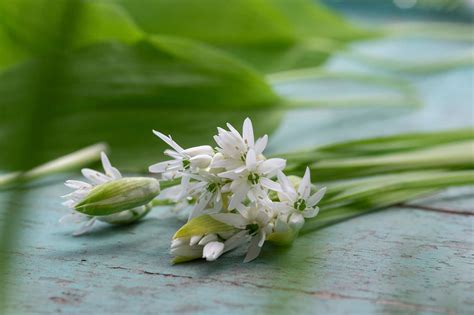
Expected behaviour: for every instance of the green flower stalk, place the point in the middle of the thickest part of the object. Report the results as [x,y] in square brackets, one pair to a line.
[109,197]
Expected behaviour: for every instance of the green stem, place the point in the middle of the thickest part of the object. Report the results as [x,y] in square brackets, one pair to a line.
[366,189]
[68,162]
[458,155]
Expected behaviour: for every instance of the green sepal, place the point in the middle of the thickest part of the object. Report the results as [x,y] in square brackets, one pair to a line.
[200,225]
[119,195]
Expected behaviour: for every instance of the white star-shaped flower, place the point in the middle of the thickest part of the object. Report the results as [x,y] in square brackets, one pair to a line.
[296,205]
[253,179]
[184,160]
[234,147]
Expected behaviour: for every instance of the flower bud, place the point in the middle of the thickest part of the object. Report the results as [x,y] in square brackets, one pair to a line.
[296,221]
[212,250]
[119,195]
[200,150]
[200,161]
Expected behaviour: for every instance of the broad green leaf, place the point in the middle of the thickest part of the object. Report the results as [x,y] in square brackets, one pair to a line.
[200,225]
[271,35]
[102,80]
[118,93]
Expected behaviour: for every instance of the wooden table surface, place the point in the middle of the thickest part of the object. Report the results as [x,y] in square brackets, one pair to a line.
[415,258]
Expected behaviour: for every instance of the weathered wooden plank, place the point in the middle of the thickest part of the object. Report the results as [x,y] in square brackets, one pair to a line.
[402,260]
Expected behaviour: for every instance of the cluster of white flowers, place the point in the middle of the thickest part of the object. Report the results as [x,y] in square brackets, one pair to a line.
[234,184]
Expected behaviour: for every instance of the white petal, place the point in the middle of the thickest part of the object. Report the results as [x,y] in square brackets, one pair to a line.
[270,167]
[77,184]
[200,150]
[296,221]
[251,160]
[202,203]
[315,198]
[108,168]
[208,238]
[254,249]
[200,161]
[262,236]
[261,144]
[239,196]
[194,240]
[162,167]
[310,212]
[232,219]
[86,227]
[69,203]
[74,217]
[212,250]
[247,132]
[233,130]
[236,240]
[305,185]
[169,141]
[178,242]
[229,174]
[269,184]
[94,176]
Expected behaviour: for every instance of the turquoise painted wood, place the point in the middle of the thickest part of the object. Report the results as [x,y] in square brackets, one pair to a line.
[415,258]
[402,260]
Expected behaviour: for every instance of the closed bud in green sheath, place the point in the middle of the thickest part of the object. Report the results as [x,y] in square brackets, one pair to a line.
[119,195]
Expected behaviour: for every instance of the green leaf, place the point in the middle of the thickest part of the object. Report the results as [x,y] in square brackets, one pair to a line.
[118,93]
[201,225]
[366,188]
[271,35]
[378,145]
[449,156]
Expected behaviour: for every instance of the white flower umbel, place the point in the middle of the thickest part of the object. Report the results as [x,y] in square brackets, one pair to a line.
[233,196]
[108,197]
[184,160]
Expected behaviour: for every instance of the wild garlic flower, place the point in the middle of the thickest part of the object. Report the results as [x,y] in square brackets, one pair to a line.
[299,201]
[253,179]
[255,220]
[233,196]
[234,147]
[184,161]
[108,197]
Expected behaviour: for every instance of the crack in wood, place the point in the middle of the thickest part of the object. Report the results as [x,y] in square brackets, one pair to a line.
[325,295]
